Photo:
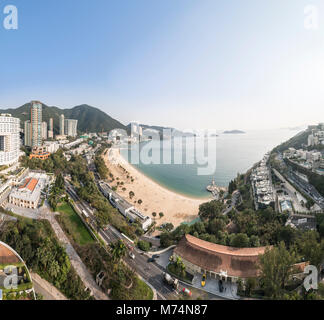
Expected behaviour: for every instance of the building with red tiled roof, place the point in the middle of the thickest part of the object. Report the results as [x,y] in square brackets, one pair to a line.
[28,194]
[218,261]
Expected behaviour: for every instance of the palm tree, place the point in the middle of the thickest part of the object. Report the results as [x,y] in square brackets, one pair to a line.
[161,214]
[154,214]
[118,250]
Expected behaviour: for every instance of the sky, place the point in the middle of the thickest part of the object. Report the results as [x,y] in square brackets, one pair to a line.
[189,64]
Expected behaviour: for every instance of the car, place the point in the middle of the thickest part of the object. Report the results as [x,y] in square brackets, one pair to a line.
[187,292]
[203,280]
[150,260]
[155,256]
[132,255]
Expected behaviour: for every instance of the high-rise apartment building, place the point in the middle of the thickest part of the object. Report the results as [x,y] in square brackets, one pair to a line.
[44,130]
[62,125]
[36,124]
[51,128]
[71,127]
[27,132]
[9,139]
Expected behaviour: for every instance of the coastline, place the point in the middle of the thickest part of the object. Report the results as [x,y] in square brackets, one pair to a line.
[177,208]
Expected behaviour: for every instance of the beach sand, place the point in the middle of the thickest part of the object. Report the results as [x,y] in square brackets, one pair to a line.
[176,208]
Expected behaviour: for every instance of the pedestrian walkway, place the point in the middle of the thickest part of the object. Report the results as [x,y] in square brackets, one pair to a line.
[76,261]
[47,290]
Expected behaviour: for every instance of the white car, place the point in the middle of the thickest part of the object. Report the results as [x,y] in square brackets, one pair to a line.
[132,255]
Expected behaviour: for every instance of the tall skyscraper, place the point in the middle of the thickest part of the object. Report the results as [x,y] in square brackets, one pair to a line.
[9,139]
[36,124]
[44,130]
[27,132]
[71,127]
[51,128]
[62,125]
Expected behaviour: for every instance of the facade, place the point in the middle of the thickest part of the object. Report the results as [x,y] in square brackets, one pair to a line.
[263,192]
[28,194]
[39,153]
[9,139]
[36,123]
[27,132]
[44,130]
[62,125]
[71,127]
[51,129]
[217,261]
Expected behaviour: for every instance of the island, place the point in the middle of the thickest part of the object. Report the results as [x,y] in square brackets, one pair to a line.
[234,132]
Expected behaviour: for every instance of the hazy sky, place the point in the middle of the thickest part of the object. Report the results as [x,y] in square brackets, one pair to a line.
[243,64]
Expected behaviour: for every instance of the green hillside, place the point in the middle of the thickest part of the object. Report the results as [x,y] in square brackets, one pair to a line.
[90,119]
[295,142]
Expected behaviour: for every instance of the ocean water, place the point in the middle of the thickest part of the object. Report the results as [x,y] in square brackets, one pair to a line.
[230,154]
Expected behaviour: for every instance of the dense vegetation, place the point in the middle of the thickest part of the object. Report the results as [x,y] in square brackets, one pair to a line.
[37,245]
[101,167]
[295,142]
[122,281]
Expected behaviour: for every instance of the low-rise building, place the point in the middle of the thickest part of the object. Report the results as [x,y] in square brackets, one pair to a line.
[263,192]
[39,153]
[124,207]
[218,261]
[28,193]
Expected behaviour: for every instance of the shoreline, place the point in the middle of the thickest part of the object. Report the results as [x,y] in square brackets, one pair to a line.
[176,207]
[184,195]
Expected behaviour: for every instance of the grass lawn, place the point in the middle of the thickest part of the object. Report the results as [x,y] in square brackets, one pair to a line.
[74,225]
[141,291]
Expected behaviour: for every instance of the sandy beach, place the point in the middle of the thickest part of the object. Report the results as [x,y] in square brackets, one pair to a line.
[176,208]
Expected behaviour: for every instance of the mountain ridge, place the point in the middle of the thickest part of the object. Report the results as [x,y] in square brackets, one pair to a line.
[90,119]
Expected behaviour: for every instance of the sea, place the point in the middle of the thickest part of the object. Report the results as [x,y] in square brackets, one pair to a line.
[188,165]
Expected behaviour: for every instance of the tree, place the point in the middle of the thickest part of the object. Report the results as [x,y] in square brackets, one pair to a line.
[161,214]
[144,245]
[211,209]
[131,194]
[180,267]
[251,284]
[310,248]
[118,250]
[276,269]
[154,214]
[139,201]
[240,240]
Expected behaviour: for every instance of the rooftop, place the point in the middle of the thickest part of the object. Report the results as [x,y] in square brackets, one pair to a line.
[237,262]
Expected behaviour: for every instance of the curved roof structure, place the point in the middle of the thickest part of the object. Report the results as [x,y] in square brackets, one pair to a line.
[237,262]
[7,256]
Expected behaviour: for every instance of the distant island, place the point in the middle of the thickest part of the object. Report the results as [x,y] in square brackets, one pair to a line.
[233,132]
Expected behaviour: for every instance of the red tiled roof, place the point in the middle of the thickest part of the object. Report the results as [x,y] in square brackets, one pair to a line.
[30,184]
[7,256]
[238,262]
